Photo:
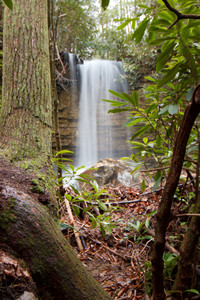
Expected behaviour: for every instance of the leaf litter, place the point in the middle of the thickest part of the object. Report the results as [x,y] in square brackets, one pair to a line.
[117,259]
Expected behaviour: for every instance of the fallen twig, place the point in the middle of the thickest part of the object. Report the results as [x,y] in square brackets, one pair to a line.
[167,244]
[76,233]
[126,258]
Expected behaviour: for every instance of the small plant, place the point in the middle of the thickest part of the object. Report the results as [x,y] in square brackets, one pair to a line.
[93,203]
[170,266]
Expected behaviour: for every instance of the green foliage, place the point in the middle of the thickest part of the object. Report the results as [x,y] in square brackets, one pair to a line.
[105,3]
[76,26]
[98,209]
[170,263]
[156,117]
[8,3]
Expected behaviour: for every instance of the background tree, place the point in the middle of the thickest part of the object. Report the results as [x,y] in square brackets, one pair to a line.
[28,222]
[173,26]
[76,26]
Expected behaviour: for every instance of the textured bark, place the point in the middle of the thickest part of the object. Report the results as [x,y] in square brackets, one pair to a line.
[28,229]
[184,278]
[27,189]
[54,94]
[26,116]
[163,215]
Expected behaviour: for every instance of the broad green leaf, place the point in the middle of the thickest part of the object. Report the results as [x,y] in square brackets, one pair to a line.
[163,110]
[156,185]
[102,206]
[102,229]
[64,226]
[173,109]
[139,32]
[135,99]
[122,96]
[75,190]
[63,152]
[143,185]
[114,103]
[143,6]
[95,186]
[151,108]
[133,121]
[150,78]
[133,24]
[166,15]
[145,140]
[158,141]
[123,25]
[164,56]
[155,42]
[118,110]
[8,3]
[69,197]
[147,223]
[76,210]
[128,98]
[141,131]
[158,175]
[105,3]
[158,28]
[193,291]
[189,58]
[169,76]
[72,168]
[189,94]
[138,144]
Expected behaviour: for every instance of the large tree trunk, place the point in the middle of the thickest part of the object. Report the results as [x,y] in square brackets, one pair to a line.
[29,230]
[26,117]
[27,198]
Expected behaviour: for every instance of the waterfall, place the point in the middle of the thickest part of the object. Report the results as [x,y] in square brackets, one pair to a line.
[98,131]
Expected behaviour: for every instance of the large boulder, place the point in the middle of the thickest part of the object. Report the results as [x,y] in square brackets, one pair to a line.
[111,172]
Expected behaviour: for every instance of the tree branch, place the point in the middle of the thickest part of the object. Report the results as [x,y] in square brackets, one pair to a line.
[179,15]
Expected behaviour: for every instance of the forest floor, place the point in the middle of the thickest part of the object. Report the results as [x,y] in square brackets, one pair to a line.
[116,244]
[119,258]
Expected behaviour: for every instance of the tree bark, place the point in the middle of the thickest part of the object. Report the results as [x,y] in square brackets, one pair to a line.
[27,228]
[28,209]
[188,246]
[163,214]
[26,116]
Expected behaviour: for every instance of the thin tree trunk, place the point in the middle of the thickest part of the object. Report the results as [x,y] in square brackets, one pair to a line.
[163,215]
[188,246]
[186,275]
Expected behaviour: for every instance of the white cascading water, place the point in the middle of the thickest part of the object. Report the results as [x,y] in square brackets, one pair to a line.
[73,75]
[96,126]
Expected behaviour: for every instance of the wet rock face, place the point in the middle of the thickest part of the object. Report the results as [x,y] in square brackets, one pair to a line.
[111,172]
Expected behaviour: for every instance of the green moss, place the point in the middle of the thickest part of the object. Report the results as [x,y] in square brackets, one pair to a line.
[8,215]
[38,186]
